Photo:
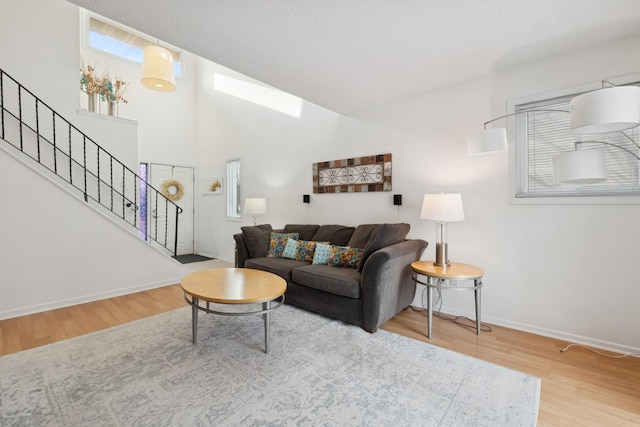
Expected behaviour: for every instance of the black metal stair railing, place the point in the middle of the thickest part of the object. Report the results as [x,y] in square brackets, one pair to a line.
[81,165]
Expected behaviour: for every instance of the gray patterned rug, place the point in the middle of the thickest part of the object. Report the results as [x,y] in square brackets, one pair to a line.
[318,372]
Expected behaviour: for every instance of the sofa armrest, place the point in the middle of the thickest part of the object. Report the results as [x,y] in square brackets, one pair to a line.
[242,251]
[386,284]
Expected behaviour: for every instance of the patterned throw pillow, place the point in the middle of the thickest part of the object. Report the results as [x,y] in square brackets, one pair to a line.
[345,256]
[290,249]
[306,250]
[321,255]
[277,242]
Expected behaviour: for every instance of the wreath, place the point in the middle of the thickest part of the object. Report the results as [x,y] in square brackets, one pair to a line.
[172,190]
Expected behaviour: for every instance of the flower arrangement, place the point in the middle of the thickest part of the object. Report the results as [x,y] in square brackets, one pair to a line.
[110,91]
[114,91]
[90,82]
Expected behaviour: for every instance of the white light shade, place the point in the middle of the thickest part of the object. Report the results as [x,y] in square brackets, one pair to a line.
[157,69]
[579,167]
[442,207]
[606,110]
[486,141]
[255,206]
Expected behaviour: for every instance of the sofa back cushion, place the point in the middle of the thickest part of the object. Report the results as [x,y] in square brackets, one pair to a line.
[305,231]
[387,235]
[336,234]
[257,239]
[363,235]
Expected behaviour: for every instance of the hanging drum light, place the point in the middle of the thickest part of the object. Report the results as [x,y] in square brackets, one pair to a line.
[157,69]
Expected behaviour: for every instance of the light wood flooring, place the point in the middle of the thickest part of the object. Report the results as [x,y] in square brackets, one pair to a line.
[579,388]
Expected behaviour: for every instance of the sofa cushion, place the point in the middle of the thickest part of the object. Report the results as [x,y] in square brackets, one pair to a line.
[257,239]
[345,256]
[363,235]
[335,234]
[305,232]
[277,242]
[279,266]
[387,235]
[321,255]
[339,281]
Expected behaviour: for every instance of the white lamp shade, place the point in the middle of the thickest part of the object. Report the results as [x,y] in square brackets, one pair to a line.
[442,207]
[606,110]
[157,69]
[486,141]
[579,167]
[256,206]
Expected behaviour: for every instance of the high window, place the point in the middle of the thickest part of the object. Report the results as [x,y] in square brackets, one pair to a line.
[122,42]
[233,189]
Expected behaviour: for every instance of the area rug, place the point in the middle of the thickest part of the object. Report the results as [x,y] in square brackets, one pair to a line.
[318,372]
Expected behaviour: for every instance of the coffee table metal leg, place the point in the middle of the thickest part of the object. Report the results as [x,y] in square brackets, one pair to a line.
[266,316]
[194,317]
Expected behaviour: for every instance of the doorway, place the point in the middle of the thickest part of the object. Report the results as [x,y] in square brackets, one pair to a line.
[178,182]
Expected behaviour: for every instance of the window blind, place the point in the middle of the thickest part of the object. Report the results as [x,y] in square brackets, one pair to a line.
[541,135]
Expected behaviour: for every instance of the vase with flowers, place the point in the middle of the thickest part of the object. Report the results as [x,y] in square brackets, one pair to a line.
[92,85]
[114,93]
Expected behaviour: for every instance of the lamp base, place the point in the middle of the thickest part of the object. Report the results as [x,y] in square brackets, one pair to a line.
[442,256]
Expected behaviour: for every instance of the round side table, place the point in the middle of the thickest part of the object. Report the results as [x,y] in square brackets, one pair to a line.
[454,272]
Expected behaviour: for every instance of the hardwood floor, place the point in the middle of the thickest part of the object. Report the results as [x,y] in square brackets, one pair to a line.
[579,388]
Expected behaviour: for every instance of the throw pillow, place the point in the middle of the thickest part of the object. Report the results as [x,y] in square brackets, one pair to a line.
[277,242]
[306,250]
[290,249]
[345,256]
[321,254]
[257,239]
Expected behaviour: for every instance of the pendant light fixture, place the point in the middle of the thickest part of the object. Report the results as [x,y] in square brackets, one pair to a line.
[579,167]
[157,69]
[611,109]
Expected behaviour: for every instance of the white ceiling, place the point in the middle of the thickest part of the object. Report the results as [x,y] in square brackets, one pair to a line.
[350,55]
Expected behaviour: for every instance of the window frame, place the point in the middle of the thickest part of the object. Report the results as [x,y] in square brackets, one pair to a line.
[515,150]
[85,29]
[233,190]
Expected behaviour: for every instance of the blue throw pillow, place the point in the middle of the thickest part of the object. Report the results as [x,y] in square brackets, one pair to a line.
[321,254]
[290,249]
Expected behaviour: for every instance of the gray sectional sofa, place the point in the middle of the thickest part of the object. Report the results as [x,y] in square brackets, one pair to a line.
[368,293]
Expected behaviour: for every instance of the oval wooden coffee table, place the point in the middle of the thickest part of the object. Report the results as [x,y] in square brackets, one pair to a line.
[233,286]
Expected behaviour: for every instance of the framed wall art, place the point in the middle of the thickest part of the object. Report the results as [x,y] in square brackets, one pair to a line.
[213,186]
[356,175]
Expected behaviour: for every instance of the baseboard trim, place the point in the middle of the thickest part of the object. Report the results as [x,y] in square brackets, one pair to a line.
[550,333]
[23,311]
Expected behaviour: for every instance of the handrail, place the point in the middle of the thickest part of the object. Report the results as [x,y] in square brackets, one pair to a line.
[26,125]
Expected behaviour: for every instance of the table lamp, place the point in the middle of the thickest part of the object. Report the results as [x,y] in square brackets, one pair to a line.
[255,207]
[442,208]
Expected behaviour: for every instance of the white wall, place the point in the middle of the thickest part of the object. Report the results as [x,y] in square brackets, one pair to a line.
[565,271]
[55,251]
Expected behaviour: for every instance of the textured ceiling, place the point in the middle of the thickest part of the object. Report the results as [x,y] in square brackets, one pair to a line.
[351,55]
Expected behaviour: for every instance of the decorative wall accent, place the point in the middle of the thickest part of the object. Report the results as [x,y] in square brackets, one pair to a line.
[357,175]
[213,186]
[172,189]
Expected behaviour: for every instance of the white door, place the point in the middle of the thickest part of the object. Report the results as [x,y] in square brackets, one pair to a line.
[177,183]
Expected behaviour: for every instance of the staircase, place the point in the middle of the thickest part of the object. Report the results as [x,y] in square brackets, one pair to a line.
[76,162]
